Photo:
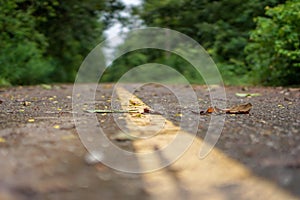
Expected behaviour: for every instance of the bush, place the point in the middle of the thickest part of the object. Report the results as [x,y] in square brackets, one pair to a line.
[274,50]
[22,46]
[23,64]
[47,40]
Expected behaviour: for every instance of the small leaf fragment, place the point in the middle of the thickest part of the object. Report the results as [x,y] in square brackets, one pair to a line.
[31,120]
[56,126]
[210,110]
[2,140]
[178,115]
[112,111]
[46,86]
[134,103]
[247,94]
[139,115]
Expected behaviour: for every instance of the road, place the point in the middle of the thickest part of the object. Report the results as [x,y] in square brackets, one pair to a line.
[48,150]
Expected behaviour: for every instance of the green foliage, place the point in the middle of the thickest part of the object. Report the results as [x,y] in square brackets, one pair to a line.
[72,28]
[221,27]
[24,64]
[47,40]
[274,51]
[22,47]
[144,56]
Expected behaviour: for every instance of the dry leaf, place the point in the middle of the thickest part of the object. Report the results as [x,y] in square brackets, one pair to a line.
[146,110]
[212,110]
[238,109]
[150,111]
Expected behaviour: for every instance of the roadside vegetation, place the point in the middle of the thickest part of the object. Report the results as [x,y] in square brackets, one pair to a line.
[252,42]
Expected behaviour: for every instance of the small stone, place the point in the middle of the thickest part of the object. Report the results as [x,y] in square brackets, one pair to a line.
[26,103]
[287,99]
[249,152]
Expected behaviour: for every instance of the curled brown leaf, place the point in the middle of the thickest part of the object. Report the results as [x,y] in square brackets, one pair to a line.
[237,109]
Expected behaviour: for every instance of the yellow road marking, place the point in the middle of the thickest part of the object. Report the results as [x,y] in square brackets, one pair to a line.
[215,177]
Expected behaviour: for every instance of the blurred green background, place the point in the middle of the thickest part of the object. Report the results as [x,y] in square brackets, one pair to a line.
[252,42]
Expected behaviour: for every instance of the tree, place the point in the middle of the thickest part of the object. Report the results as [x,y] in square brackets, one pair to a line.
[274,50]
[221,27]
[73,28]
[22,46]
[47,40]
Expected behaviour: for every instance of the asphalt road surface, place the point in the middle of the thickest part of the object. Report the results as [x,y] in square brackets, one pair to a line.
[50,150]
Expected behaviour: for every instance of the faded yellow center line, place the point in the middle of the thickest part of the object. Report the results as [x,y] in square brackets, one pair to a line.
[215,177]
[146,127]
